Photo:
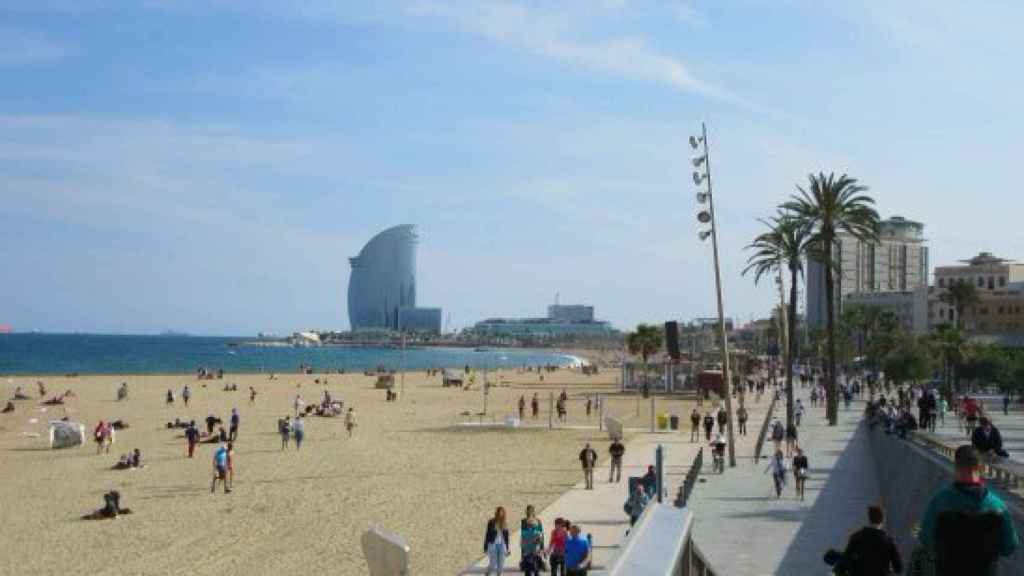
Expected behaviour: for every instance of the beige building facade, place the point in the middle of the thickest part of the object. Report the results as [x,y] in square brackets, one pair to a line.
[1000,288]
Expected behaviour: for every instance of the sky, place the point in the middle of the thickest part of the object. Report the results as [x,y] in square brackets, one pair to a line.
[209,167]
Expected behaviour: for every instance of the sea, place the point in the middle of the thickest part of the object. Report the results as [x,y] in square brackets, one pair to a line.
[106,354]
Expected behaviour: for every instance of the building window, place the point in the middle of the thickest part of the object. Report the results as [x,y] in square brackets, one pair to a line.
[1000,310]
[983,311]
[1002,281]
[981,281]
[991,283]
[942,282]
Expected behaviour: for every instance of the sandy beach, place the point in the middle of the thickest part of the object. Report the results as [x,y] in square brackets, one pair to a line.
[409,468]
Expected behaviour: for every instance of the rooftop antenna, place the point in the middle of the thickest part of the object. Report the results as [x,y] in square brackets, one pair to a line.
[556,298]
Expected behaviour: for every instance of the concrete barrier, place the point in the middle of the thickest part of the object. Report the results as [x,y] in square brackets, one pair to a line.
[909,475]
[613,426]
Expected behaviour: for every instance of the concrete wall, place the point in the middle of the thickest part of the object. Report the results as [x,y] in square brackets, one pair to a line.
[908,476]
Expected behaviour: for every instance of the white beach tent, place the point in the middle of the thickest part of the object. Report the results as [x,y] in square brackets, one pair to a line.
[66,434]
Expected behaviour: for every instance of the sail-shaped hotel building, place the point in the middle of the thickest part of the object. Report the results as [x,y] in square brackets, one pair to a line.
[382,287]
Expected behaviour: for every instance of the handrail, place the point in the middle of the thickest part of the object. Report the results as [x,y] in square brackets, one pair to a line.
[764,430]
[661,542]
[690,481]
[1007,471]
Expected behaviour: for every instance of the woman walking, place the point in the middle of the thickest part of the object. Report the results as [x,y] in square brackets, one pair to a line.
[800,466]
[556,548]
[284,428]
[496,542]
[777,466]
[298,431]
[791,438]
[531,538]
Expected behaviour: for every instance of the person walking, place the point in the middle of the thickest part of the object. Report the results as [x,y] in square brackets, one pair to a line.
[299,431]
[299,404]
[531,543]
[616,450]
[800,472]
[220,469]
[636,503]
[233,428]
[252,396]
[588,458]
[496,542]
[191,437]
[577,553]
[723,417]
[534,405]
[694,425]
[1006,404]
[556,548]
[966,527]
[522,406]
[709,426]
[284,428]
[777,466]
[791,439]
[741,418]
[186,394]
[798,411]
[350,421]
[231,466]
[870,550]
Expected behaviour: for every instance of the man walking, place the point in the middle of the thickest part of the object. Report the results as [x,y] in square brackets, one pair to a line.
[709,426]
[186,393]
[588,458]
[192,437]
[741,417]
[534,405]
[967,527]
[233,431]
[722,419]
[616,450]
[694,425]
[522,406]
[871,551]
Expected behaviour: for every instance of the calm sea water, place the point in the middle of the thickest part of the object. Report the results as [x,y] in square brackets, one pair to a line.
[93,354]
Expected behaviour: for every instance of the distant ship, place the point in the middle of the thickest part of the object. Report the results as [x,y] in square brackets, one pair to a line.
[173,333]
[6,329]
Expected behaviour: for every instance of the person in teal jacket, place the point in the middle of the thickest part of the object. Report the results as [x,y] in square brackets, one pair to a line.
[966,526]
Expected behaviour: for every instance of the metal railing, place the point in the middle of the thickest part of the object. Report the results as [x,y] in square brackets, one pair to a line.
[1006,471]
[690,481]
[661,542]
[764,430]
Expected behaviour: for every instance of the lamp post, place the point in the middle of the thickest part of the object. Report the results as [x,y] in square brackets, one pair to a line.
[708,217]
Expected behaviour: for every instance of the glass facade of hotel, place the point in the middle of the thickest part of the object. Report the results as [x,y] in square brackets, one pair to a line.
[383,279]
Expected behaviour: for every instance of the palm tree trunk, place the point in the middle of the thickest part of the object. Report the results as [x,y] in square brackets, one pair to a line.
[791,344]
[832,408]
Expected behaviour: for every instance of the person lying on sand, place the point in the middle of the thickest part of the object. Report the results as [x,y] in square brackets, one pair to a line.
[111,508]
[119,425]
[8,408]
[129,461]
[177,424]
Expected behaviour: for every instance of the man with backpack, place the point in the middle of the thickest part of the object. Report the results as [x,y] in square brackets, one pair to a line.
[966,527]
[778,434]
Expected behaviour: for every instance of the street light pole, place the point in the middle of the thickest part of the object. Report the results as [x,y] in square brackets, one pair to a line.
[724,339]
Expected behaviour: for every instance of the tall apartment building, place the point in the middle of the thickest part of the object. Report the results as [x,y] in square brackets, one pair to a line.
[999,314]
[897,263]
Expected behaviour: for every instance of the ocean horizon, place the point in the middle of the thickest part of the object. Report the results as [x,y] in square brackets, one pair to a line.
[59,354]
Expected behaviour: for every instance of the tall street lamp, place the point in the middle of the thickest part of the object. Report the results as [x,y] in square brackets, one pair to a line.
[708,217]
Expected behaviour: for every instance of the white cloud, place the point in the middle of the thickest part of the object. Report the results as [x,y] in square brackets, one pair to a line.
[553,34]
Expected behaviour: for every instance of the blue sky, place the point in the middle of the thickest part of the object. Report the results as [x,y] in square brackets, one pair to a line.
[209,166]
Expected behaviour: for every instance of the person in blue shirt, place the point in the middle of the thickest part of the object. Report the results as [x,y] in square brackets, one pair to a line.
[577,553]
[233,434]
[220,469]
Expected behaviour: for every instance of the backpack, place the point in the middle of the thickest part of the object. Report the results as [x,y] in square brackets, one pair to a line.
[967,542]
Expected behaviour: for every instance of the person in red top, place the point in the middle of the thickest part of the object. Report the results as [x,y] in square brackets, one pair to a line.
[971,411]
[556,548]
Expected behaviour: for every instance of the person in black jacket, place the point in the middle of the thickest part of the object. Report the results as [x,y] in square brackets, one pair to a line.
[987,440]
[496,542]
[871,551]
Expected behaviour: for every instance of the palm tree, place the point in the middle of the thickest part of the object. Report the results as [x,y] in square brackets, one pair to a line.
[960,295]
[784,245]
[832,206]
[951,345]
[645,342]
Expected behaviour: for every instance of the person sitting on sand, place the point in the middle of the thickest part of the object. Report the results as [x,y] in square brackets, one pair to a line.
[170,396]
[55,401]
[19,395]
[111,508]
[8,408]
[122,392]
[136,460]
[211,423]
[42,388]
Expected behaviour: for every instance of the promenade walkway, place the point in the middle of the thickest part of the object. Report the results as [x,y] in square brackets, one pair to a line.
[743,530]
[599,511]
[1011,426]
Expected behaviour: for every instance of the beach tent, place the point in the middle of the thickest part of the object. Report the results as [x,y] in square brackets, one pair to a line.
[66,434]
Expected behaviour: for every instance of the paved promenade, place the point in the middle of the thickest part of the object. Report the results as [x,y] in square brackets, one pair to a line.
[743,530]
[599,511]
[1011,426]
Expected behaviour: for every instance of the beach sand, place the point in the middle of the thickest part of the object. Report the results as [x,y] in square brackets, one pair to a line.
[408,469]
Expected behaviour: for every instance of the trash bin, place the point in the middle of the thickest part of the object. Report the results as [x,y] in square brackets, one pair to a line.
[662,421]
[673,422]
